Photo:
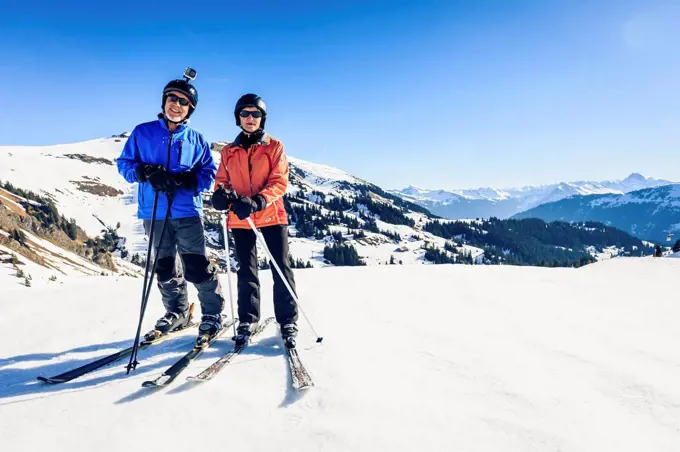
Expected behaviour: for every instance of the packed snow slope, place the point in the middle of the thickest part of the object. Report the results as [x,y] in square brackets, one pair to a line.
[415,357]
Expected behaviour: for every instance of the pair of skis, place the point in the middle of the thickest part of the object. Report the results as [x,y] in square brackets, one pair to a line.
[173,371]
[112,358]
[299,375]
[218,365]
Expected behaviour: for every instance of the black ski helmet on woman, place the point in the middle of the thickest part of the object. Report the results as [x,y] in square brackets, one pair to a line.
[184,87]
[250,100]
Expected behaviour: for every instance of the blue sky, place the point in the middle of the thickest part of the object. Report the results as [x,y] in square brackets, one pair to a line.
[437,94]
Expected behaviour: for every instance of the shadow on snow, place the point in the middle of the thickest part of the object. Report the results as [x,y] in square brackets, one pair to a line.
[22,381]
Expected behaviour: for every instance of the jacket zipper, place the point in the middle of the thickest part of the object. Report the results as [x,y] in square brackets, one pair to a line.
[167,166]
[250,175]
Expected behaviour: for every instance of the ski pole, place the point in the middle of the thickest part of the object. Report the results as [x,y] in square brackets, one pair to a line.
[260,238]
[146,289]
[133,362]
[227,259]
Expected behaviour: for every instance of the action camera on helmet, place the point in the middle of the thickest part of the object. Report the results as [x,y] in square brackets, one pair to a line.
[190,74]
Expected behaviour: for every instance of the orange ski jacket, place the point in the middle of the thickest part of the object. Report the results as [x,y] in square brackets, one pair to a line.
[263,170]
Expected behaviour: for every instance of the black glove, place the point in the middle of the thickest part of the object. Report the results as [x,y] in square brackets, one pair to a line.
[222,198]
[160,179]
[244,207]
[187,179]
[140,171]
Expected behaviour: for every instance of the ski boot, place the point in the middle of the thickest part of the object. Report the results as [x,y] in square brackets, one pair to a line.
[211,324]
[243,333]
[171,321]
[288,334]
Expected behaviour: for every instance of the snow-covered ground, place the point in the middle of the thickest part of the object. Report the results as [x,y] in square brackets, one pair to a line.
[436,358]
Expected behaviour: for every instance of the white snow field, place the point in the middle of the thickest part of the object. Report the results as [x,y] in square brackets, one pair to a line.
[414,358]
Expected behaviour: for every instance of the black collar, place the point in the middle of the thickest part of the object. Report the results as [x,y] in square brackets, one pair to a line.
[262,139]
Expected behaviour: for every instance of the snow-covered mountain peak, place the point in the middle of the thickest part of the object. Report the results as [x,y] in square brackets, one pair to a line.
[320,174]
[414,191]
[635,177]
[488,193]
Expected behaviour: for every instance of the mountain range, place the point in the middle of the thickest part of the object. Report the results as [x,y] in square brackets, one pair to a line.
[504,203]
[64,209]
[651,213]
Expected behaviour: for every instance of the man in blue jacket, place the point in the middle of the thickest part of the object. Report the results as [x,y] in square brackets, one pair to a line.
[168,157]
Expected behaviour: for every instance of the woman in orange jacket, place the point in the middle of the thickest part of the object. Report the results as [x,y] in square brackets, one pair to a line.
[251,180]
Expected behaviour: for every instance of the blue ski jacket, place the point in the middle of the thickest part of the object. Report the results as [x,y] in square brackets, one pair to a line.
[182,150]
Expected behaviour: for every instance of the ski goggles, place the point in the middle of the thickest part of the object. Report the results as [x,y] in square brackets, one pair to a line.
[254,114]
[182,101]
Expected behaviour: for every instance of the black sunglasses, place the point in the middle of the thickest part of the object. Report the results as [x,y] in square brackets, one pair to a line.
[181,100]
[254,114]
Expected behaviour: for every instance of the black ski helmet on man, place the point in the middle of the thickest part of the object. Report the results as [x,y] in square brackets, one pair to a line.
[184,87]
[250,100]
